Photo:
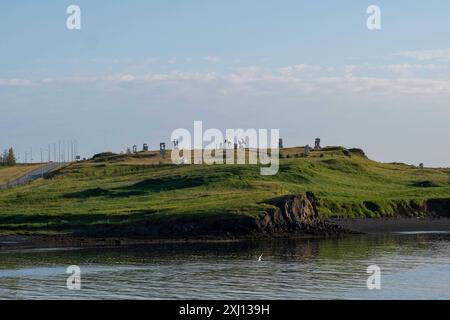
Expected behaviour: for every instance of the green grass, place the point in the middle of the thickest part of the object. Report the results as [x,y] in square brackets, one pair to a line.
[91,195]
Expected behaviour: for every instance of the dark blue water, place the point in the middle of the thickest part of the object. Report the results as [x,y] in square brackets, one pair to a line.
[413,266]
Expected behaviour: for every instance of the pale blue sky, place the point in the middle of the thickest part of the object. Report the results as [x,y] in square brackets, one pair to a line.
[137,70]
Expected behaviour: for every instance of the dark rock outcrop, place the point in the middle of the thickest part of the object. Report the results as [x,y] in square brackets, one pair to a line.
[295,214]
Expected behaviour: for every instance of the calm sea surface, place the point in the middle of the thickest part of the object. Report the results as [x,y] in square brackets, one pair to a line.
[413,266]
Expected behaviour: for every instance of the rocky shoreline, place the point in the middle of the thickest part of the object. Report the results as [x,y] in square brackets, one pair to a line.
[340,227]
[293,216]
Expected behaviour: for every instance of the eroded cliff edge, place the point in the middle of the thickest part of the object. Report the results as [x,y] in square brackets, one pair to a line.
[294,214]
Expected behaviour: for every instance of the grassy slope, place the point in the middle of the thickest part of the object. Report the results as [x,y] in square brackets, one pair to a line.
[10,173]
[144,188]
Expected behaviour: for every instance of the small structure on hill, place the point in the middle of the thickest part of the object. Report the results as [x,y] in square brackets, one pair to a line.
[162,149]
[175,144]
[135,149]
[227,144]
[280,143]
[242,143]
[145,147]
[317,144]
[306,150]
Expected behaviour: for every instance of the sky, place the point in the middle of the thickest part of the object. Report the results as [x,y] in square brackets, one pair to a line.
[138,70]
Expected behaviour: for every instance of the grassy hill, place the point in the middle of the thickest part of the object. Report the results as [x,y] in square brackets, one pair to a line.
[126,192]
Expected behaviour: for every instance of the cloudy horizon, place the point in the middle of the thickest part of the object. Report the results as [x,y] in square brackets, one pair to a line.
[134,74]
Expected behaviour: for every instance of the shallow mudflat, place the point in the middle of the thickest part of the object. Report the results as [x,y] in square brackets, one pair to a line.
[386,225]
[355,225]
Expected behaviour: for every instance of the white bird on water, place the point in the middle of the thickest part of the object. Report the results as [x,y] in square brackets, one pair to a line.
[260,258]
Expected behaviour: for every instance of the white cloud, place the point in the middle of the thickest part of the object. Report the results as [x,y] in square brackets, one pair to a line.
[289,80]
[121,78]
[127,78]
[182,76]
[212,59]
[412,67]
[385,86]
[258,80]
[152,60]
[81,79]
[437,54]
[15,82]
[349,70]
[299,68]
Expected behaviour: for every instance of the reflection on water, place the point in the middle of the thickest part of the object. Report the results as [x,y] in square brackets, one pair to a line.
[414,266]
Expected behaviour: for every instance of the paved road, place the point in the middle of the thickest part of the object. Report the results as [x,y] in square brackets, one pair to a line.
[33,175]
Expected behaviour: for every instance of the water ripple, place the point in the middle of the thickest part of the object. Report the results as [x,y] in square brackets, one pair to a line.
[414,266]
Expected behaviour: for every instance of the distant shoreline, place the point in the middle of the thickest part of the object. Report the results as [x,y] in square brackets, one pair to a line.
[351,225]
